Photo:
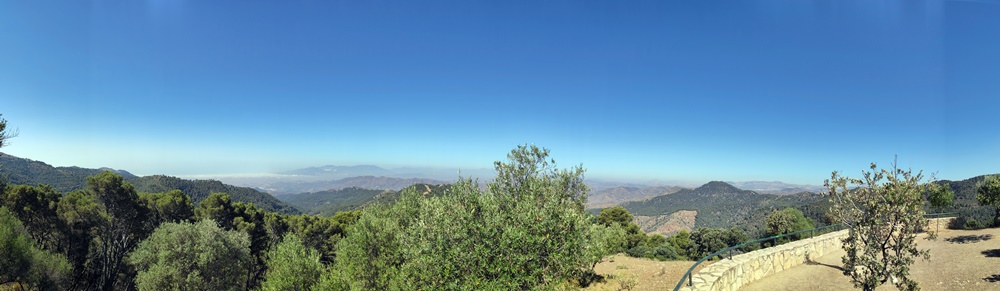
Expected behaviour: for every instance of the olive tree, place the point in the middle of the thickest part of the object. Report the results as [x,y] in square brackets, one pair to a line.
[527,230]
[292,266]
[988,194]
[186,256]
[883,212]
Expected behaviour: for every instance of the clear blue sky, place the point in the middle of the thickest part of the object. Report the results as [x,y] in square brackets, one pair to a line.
[668,90]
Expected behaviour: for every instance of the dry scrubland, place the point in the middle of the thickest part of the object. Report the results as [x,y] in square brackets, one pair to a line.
[960,260]
[621,271]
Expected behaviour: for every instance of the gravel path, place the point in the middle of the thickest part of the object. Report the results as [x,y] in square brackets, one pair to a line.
[960,260]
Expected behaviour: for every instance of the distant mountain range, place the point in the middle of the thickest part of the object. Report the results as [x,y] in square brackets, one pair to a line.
[66,179]
[777,188]
[289,187]
[331,172]
[330,177]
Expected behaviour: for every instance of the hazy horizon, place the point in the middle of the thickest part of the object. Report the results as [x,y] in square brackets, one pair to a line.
[637,91]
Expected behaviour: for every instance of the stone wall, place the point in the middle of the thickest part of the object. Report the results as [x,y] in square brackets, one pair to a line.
[732,274]
[742,269]
[932,224]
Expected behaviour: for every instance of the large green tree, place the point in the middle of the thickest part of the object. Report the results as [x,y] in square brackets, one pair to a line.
[186,256]
[785,221]
[24,263]
[125,225]
[620,217]
[705,241]
[292,266]
[528,230]
[36,207]
[883,212]
[82,217]
[170,206]
[988,194]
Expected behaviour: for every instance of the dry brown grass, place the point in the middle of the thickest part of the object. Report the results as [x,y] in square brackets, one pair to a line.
[960,260]
[621,271]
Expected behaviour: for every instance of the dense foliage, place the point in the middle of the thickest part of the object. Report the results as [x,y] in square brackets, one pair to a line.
[22,261]
[988,194]
[67,179]
[883,211]
[292,266]
[198,256]
[528,230]
[785,221]
[330,202]
[94,230]
[721,205]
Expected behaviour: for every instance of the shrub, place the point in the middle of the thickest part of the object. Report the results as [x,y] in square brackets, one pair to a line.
[528,230]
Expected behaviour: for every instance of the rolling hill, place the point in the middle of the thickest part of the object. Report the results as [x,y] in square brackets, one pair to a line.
[608,197]
[67,179]
[720,205]
[777,188]
[327,203]
[280,188]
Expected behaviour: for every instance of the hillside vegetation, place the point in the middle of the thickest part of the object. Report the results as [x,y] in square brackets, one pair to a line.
[720,205]
[19,171]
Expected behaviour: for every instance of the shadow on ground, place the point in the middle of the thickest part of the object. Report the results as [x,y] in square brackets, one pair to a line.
[967,239]
[994,253]
[992,278]
[809,261]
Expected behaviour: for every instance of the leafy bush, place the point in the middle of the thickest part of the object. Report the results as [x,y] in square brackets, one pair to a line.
[529,230]
[24,262]
[186,256]
[291,266]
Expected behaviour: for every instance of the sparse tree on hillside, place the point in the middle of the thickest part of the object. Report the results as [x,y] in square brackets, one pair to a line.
[616,214]
[988,191]
[5,134]
[883,212]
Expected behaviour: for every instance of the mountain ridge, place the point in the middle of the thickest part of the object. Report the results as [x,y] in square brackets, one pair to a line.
[67,179]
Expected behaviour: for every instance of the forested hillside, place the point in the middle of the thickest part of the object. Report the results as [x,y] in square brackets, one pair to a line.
[331,201]
[20,171]
[720,205]
[326,203]
[966,206]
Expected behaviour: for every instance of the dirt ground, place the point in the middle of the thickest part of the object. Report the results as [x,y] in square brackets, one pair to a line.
[621,271]
[960,260]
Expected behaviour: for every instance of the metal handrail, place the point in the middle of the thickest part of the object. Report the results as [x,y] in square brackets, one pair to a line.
[690,279]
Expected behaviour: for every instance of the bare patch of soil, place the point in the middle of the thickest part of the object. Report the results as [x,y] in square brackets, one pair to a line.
[668,225]
[621,271]
[960,260]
